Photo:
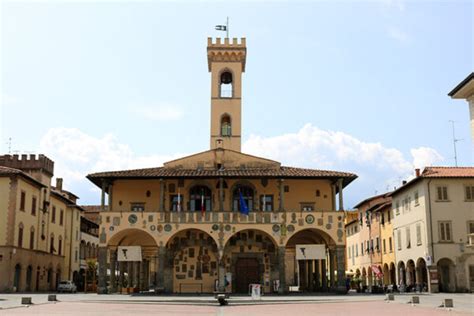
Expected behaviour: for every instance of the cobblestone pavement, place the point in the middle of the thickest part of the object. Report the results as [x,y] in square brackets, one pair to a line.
[354,304]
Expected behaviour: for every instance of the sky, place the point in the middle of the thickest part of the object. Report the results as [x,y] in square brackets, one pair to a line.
[358,86]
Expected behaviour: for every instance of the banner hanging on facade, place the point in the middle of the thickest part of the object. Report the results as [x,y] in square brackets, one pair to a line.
[129,253]
[310,252]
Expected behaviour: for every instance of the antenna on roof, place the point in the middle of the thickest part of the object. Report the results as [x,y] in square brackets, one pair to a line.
[9,143]
[455,140]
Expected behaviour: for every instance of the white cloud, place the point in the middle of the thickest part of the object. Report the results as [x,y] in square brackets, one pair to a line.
[394,4]
[77,154]
[162,112]
[379,168]
[398,34]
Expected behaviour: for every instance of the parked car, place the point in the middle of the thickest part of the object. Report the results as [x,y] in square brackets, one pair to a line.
[67,286]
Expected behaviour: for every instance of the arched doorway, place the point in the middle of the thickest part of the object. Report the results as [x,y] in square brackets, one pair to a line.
[58,276]
[50,279]
[411,277]
[364,278]
[422,274]
[29,278]
[194,262]
[401,273]
[446,275]
[37,278]
[386,274]
[250,256]
[17,278]
[370,277]
[318,272]
[136,271]
[392,274]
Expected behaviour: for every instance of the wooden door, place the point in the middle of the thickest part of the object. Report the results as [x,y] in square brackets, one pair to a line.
[246,272]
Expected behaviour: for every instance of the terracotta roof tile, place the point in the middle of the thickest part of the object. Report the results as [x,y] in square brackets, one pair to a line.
[448,172]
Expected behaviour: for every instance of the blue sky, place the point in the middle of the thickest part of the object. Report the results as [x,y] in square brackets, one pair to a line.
[347,85]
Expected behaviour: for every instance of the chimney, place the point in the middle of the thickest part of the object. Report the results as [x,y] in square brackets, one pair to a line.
[417,172]
[404,182]
[59,184]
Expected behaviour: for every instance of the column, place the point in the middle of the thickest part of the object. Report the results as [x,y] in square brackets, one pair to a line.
[137,274]
[221,194]
[221,275]
[102,196]
[160,271]
[168,271]
[109,193]
[113,281]
[282,269]
[281,207]
[162,195]
[324,276]
[317,275]
[341,200]
[121,275]
[130,274]
[332,267]
[142,275]
[341,269]
[102,260]
[310,275]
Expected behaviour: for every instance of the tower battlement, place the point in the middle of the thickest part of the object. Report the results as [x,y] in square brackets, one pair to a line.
[227,43]
[26,163]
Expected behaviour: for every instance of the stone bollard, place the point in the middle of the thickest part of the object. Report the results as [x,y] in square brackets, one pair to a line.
[415,300]
[52,298]
[26,301]
[390,297]
[448,302]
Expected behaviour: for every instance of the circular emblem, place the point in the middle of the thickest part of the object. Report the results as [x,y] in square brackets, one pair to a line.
[340,233]
[276,228]
[328,226]
[310,219]
[206,258]
[132,219]
[215,227]
[111,228]
[291,228]
[159,228]
[152,228]
[168,228]
[227,227]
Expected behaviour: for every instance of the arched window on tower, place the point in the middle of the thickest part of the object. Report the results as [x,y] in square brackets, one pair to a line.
[226,127]
[226,88]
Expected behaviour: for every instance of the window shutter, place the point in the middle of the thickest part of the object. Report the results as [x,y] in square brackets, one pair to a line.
[445,193]
[418,234]
[448,231]
[442,233]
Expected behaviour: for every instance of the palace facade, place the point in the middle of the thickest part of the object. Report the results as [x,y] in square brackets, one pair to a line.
[183,227]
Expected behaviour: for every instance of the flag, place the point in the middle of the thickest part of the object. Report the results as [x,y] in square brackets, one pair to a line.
[221,27]
[377,272]
[203,207]
[179,201]
[243,206]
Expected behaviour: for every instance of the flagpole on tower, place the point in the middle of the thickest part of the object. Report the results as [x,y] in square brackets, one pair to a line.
[227,27]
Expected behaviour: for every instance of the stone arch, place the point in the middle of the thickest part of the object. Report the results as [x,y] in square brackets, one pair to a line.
[364,276]
[322,235]
[386,274]
[446,275]
[17,278]
[410,273]
[370,276]
[29,278]
[192,262]
[226,83]
[227,238]
[393,278]
[401,273]
[132,237]
[225,123]
[422,274]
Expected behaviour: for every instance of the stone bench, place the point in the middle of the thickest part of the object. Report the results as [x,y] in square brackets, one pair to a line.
[26,301]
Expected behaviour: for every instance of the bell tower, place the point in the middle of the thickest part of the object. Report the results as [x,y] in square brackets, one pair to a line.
[226,62]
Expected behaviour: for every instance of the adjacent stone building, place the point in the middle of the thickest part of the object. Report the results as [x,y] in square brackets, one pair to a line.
[39,226]
[465,90]
[433,230]
[182,228]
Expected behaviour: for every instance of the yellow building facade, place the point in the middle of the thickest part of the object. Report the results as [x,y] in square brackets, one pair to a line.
[184,227]
[37,226]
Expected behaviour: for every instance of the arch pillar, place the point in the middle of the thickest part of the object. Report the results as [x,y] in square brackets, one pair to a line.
[341,269]
[282,269]
[102,260]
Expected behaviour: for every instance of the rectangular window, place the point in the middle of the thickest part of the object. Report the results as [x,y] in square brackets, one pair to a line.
[266,203]
[348,252]
[442,193]
[397,208]
[352,251]
[389,215]
[60,246]
[176,205]
[409,203]
[53,215]
[20,236]
[417,198]
[471,228]
[368,247]
[357,250]
[75,256]
[51,245]
[32,239]
[407,231]
[137,207]
[445,231]
[469,193]
[399,239]
[22,200]
[418,234]
[377,244]
[390,244]
[361,248]
[61,217]
[384,246]
[33,205]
